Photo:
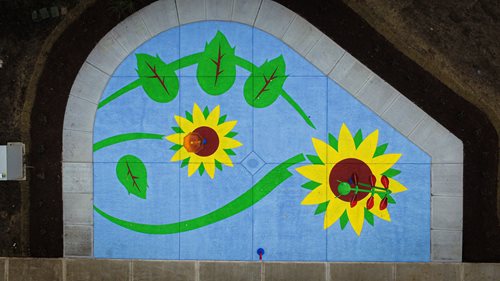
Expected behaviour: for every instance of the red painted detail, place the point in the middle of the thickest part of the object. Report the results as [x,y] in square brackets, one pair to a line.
[354,200]
[370,203]
[385,182]
[217,63]
[162,80]
[134,182]
[383,204]
[264,89]
[373,180]
[355,179]
[210,141]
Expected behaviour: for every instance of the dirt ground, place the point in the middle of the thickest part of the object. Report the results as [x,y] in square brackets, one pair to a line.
[454,40]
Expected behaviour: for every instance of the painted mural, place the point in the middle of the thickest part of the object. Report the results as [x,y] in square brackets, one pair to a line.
[215,140]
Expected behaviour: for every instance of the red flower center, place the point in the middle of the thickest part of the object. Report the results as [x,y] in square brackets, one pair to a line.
[344,171]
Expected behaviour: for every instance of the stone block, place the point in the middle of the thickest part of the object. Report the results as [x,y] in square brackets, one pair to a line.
[403,115]
[219,9]
[164,271]
[295,271]
[191,10]
[361,271]
[447,212]
[377,94]
[27,269]
[274,18]
[350,74]
[77,177]
[447,179]
[97,270]
[481,271]
[78,240]
[427,272]
[160,16]
[80,114]
[446,245]
[301,36]
[245,11]
[89,83]
[229,271]
[131,32]
[325,54]
[77,208]
[107,54]
[77,146]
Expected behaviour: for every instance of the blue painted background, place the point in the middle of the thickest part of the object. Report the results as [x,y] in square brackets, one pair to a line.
[282,226]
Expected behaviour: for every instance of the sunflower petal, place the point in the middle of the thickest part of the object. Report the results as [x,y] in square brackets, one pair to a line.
[315,173]
[316,196]
[367,148]
[346,142]
[192,167]
[210,168]
[221,156]
[198,118]
[356,217]
[179,155]
[225,127]
[396,186]
[176,138]
[230,143]
[384,162]
[334,211]
[213,118]
[383,214]
[321,149]
[186,125]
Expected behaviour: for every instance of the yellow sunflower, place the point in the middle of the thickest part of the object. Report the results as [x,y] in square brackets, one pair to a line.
[203,141]
[344,178]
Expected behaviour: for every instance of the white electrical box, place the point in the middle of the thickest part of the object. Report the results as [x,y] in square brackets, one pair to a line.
[12,165]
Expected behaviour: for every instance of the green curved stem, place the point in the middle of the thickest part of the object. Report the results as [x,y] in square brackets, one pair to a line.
[260,190]
[297,108]
[243,63]
[185,61]
[125,137]
[134,84]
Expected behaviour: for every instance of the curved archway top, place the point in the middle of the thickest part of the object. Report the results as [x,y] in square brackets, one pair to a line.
[444,148]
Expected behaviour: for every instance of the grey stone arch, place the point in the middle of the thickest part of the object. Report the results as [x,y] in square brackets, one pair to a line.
[445,149]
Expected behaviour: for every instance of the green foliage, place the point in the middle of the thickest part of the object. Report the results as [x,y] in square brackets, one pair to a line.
[157,78]
[185,162]
[229,151]
[132,174]
[265,83]
[344,219]
[206,112]
[216,71]
[369,217]
[391,173]
[333,142]
[231,134]
[358,138]
[189,116]
[218,165]
[175,147]
[390,200]
[201,169]
[315,159]
[321,208]
[177,129]
[222,119]
[380,150]
[311,185]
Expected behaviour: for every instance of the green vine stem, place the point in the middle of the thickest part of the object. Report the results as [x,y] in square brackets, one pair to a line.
[194,59]
[125,137]
[253,195]
[373,189]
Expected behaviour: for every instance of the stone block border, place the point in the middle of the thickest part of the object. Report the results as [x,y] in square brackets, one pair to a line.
[14,269]
[445,149]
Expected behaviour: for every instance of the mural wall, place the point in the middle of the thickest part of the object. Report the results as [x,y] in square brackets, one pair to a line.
[215,140]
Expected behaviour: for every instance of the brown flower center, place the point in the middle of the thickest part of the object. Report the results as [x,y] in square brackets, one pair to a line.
[343,172]
[203,141]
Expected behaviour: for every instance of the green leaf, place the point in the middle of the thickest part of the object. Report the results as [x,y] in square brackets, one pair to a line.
[218,165]
[177,129]
[344,219]
[391,173]
[175,147]
[229,151]
[231,134]
[265,83]
[132,174]
[369,217]
[206,112]
[185,162]
[390,200]
[157,78]
[189,116]
[216,71]
[321,208]
[315,159]
[334,143]
[311,185]
[222,119]
[380,150]
[358,138]
[201,169]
